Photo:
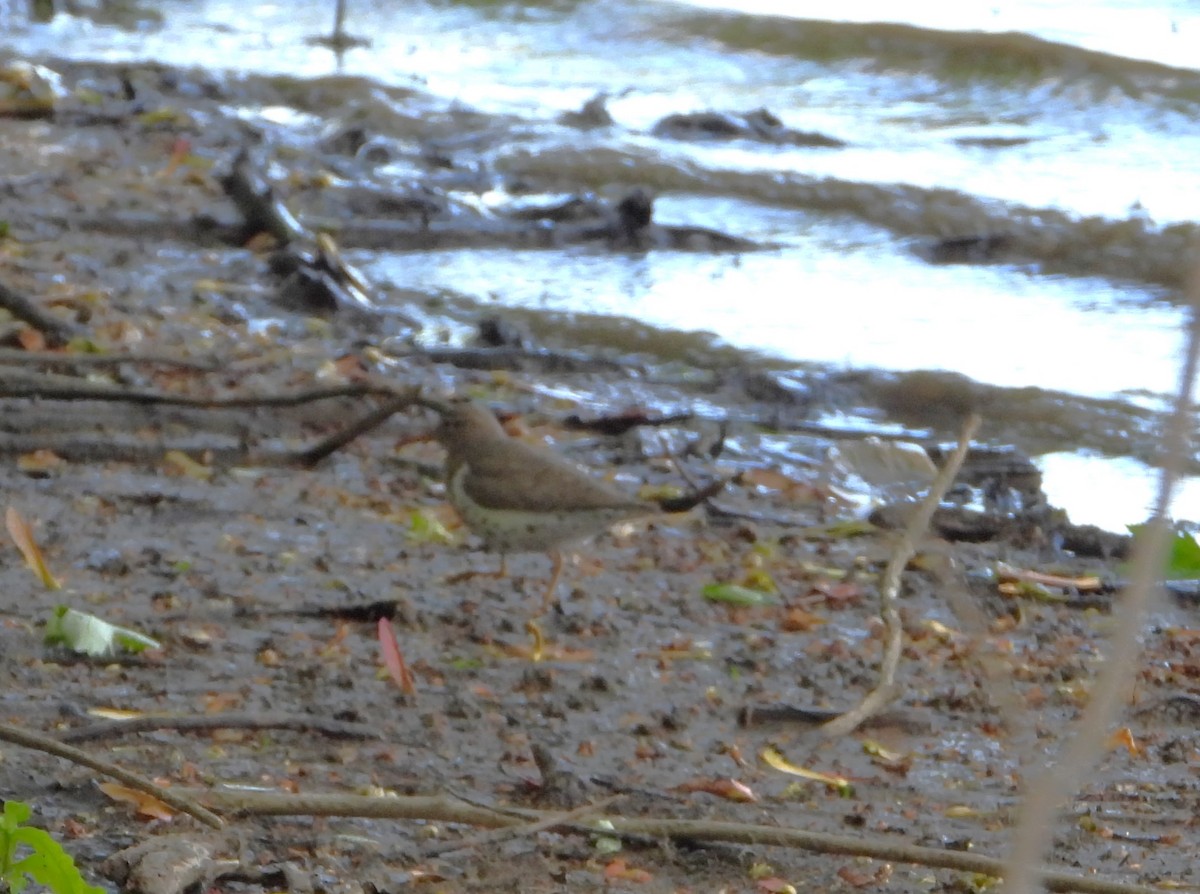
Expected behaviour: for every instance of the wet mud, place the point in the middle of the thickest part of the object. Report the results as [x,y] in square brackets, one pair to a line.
[644,687]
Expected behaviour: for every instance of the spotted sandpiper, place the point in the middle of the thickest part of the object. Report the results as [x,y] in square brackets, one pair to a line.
[522,498]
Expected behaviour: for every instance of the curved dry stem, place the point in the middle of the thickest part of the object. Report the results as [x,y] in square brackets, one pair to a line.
[1085,746]
[889,589]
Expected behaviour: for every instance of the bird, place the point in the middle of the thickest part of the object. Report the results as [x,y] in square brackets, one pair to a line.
[521,498]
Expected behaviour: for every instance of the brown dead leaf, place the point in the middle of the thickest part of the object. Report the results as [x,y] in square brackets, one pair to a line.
[797,620]
[727,788]
[835,594]
[855,878]
[619,870]
[775,885]
[393,659]
[31,339]
[39,462]
[22,535]
[219,702]
[771,479]
[144,804]
[180,150]
[1123,738]
[269,657]
[179,463]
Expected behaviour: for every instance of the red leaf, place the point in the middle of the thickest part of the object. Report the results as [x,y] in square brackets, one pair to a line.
[393,660]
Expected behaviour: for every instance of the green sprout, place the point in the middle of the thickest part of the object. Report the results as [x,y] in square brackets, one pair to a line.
[29,854]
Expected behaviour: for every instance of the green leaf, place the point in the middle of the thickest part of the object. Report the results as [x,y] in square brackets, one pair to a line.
[15,813]
[1183,559]
[733,594]
[94,636]
[46,864]
[423,527]
[605,844]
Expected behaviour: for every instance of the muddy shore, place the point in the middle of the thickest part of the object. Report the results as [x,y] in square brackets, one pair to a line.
[264,580]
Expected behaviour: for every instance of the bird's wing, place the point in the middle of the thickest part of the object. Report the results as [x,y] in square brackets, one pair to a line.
[539,482]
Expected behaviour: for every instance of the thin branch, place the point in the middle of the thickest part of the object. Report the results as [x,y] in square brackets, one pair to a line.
[889,588]
[57,358]
[313,455]
[1086,744]
[123,449]
[452,810]
[495,837]
[216,452]
[92,391]
[190,722]
[40,742]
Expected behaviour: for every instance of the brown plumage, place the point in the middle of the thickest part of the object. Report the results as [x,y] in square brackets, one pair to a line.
[522,498]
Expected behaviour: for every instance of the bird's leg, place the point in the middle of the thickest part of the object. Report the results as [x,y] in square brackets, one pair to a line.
[548,599]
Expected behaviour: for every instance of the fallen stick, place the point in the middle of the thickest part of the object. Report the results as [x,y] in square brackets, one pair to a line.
[204,723]
[889,589]
[48,745]
[443,808]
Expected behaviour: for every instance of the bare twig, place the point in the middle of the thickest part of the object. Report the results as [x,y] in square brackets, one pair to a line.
[313,455]
[40,742]
[1084,747]
[91,391]
[497,836]
[446,809]
[216,452]
[190,722]
[889,589]
[125,449]
[56,358]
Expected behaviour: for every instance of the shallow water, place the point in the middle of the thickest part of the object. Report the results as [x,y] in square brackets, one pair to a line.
[1071,135]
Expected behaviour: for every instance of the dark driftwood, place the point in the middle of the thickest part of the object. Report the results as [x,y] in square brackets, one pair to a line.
[261,211]
[56,330]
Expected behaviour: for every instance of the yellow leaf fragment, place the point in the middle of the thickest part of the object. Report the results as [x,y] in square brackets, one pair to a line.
[39,462]
[424,526]
[962,811]
[1123,738]
[876,749]
[114,713]
[182,464]
[539,641]
[777,761]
